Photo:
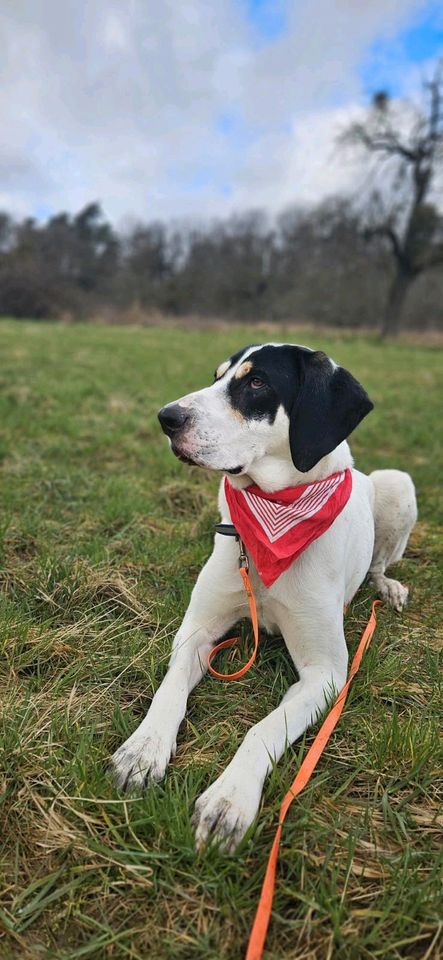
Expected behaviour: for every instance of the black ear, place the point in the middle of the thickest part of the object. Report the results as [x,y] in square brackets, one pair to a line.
[329,405]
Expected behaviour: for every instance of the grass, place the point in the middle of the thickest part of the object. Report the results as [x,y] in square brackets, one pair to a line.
[102,535]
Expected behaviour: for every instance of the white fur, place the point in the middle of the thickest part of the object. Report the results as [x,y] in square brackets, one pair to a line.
[305,605]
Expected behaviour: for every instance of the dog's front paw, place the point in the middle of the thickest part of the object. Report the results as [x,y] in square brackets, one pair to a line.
[141,760]
[225,810]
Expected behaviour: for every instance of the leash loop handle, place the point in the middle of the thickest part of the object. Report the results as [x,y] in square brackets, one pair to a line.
[225,644]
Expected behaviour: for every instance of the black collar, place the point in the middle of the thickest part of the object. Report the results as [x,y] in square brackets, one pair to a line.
[227,529]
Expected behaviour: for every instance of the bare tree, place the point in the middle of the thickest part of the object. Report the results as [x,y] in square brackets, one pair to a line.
[408,140]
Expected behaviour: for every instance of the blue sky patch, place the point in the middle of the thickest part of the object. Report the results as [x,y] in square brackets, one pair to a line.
[268,17]
[389,59]
[227,123]
[41,211]
[424,39]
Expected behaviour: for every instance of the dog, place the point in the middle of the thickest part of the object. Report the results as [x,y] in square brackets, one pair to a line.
[277,416]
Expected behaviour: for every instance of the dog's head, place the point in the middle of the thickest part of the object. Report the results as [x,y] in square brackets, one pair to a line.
[273,399]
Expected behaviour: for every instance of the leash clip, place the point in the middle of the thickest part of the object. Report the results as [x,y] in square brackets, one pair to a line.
[243,560]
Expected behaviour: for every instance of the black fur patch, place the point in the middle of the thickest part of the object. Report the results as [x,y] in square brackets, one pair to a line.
[324,403]
[276,367]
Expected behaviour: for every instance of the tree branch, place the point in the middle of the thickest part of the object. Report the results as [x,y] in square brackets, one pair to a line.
[381,143]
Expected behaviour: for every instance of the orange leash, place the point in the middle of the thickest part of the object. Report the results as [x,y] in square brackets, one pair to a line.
[262,916]
[261,921]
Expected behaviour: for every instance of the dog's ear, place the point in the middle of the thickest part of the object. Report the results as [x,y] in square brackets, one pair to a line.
[329,405]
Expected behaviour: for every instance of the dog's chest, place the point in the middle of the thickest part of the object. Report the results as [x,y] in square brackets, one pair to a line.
[274,602]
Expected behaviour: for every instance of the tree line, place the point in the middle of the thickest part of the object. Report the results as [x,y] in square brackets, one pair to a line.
[376,263]
[316,265]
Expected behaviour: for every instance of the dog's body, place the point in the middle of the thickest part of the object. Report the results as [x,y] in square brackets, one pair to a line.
[278,429]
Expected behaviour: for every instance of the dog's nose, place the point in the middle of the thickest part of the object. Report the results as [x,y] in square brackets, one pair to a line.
[172,418]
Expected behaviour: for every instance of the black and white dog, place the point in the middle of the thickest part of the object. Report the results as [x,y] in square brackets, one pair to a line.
[276,416]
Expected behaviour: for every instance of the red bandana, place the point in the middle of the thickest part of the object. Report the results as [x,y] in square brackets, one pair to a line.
[277,527]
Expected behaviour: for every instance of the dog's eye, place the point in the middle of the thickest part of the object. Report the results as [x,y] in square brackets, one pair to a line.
[256,383]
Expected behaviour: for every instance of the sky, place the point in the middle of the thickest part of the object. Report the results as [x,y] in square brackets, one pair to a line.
[195,109]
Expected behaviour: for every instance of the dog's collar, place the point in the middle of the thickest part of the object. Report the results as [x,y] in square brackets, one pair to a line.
[227,530]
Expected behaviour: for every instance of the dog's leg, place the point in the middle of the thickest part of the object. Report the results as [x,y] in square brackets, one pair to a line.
[395,513]
[317,644]
[217,602]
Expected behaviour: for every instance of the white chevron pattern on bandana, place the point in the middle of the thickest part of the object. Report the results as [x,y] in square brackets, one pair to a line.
[276,519]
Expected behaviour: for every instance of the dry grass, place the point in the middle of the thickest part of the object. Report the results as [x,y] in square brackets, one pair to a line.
[138,316]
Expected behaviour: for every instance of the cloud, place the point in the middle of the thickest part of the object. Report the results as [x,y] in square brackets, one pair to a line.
[176,109]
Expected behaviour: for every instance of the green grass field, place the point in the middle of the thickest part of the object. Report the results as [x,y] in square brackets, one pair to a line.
[102,535]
